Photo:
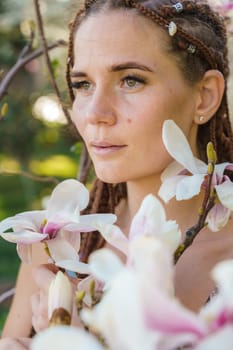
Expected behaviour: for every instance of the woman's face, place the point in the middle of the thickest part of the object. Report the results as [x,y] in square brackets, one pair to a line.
[126,86]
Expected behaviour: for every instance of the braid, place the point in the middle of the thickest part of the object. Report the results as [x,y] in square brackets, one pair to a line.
[102,200]
[161,19]
[70,57]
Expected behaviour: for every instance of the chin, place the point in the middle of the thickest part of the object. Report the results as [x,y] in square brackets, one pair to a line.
[110,178]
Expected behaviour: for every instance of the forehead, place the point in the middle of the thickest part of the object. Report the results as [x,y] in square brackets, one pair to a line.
[121,33]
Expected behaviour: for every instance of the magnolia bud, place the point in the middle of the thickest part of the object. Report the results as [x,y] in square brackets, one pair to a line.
[60,300]
[211,154]
[4,109]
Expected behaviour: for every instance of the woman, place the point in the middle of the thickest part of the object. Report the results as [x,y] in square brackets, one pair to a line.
[132,65]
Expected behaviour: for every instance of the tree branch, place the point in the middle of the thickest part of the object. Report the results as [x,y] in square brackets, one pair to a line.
[30,176]
[207,205]
[21,62]
[50,69]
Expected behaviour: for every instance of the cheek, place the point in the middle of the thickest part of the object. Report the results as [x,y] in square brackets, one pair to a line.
[76,118]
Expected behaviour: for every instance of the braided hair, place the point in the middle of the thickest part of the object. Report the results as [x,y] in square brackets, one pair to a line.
[198,42]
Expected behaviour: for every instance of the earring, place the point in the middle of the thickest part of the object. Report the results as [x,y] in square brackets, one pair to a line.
[201,118]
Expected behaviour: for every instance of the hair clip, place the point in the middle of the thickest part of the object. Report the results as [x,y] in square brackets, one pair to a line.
[191,48]
[178,7]
[172,28]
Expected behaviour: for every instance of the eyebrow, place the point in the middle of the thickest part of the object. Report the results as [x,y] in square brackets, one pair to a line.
[117,68]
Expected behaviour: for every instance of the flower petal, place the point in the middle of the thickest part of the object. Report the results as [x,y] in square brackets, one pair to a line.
[148,219]
[94,219]
[119,318]
[168,316]
[223,339]
[74,265]
[23,237]
[60,294]
[60,249]
[222,274]
[189,186]
[30,220]
[104,264]
[25,252]
[168,188]
[171,170]
[74,238]
[66,201]
[178,147]
[218,217]
[84,285]
[225,194]
[114,236]
[64,338]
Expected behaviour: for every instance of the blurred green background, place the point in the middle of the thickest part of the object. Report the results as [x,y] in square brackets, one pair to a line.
[33,136]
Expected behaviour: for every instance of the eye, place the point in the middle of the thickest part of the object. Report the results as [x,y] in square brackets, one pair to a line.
[132,81]
[81,85]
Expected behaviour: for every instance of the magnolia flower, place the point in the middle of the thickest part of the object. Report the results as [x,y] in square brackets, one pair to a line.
[218,313]
[223,339]
[184,180]
[138,309]
[59,226]
[221,5]
[150,220]
[60,300]
[65,338]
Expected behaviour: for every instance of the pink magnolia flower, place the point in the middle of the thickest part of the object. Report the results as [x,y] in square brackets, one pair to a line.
[222,6]
[138,309]
[65,338]
[59,226]
[150,220]
[185,179]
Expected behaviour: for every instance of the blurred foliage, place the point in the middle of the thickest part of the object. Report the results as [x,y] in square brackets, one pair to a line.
[27,143]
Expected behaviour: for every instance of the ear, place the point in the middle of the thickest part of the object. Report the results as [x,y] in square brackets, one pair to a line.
[211,89]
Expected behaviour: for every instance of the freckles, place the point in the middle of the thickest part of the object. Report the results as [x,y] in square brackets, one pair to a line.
[129,120]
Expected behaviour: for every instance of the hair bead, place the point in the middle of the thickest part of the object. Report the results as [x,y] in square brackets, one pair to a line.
[191,48]
[178,7]
[172,28]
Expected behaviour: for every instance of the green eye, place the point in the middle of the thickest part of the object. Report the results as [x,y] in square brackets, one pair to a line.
[81,85]
[131,82]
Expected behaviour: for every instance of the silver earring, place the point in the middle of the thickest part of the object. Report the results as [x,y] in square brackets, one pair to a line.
[201,118]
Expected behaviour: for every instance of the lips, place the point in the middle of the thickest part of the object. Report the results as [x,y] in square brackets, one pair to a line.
[103,147]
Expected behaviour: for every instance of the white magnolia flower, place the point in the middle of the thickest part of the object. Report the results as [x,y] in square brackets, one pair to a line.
[138,309]
[150,220]
[59,226]
[60,294]
[184,180]
[65,338]
[218,312]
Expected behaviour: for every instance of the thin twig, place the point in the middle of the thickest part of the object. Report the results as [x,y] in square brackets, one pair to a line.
[21,62]
[192,232]
[50,68]
[28,47]
[30,176]
[6,295]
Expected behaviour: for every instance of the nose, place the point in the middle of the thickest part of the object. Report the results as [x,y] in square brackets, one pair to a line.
[101,109]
